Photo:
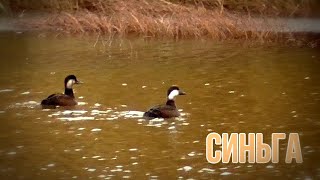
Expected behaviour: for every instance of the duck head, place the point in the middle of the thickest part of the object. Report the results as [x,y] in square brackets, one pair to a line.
[70,80]
[174,91]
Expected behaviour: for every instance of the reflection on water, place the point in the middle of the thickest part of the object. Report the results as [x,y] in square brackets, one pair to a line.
[230,89]
[310,25]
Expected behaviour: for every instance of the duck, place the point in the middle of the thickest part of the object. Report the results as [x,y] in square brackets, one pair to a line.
[168,110]
[66,99]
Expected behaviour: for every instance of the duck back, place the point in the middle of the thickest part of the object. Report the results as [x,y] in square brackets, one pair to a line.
[59,100]
[167,110]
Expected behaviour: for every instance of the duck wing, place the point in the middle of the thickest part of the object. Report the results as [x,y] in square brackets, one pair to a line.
[162,111]
[48,100]
[153,112]
[51,96]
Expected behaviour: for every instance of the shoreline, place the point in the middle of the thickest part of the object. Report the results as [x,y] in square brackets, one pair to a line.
[162,19]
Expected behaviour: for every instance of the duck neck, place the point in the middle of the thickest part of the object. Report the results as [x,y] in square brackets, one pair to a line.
[69,92]
[170,102]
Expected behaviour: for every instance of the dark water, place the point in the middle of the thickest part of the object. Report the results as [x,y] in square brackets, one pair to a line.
[231,88]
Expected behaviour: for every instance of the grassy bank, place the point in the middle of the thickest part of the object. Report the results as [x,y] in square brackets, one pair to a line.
[265,7]
[216,19]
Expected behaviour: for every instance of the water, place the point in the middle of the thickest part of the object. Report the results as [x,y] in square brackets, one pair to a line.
[230,88]
[295,25]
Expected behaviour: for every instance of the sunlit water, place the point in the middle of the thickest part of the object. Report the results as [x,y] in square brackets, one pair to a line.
[229,88]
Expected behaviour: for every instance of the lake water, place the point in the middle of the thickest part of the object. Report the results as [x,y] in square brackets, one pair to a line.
[231,87]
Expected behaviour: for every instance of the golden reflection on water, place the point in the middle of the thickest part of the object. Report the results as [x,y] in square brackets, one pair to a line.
[230,89]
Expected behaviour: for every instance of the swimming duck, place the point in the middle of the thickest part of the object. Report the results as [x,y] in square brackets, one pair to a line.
[66,99]
[167,110]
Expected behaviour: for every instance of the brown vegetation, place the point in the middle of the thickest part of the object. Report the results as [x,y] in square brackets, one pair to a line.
[265,7]
[158,18]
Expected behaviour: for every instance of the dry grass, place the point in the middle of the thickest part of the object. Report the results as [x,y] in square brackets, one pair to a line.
[155,18]
[266,7]
[159,18]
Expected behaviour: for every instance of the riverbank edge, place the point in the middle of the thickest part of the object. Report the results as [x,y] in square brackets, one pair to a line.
[161,19]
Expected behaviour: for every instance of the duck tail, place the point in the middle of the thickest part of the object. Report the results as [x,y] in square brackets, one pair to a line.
[149,115]
[45,102]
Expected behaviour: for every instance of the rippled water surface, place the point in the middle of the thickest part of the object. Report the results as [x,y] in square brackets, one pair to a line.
[230,88]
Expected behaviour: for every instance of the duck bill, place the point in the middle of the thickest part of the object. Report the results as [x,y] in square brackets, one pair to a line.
[182,93]
[78,82]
